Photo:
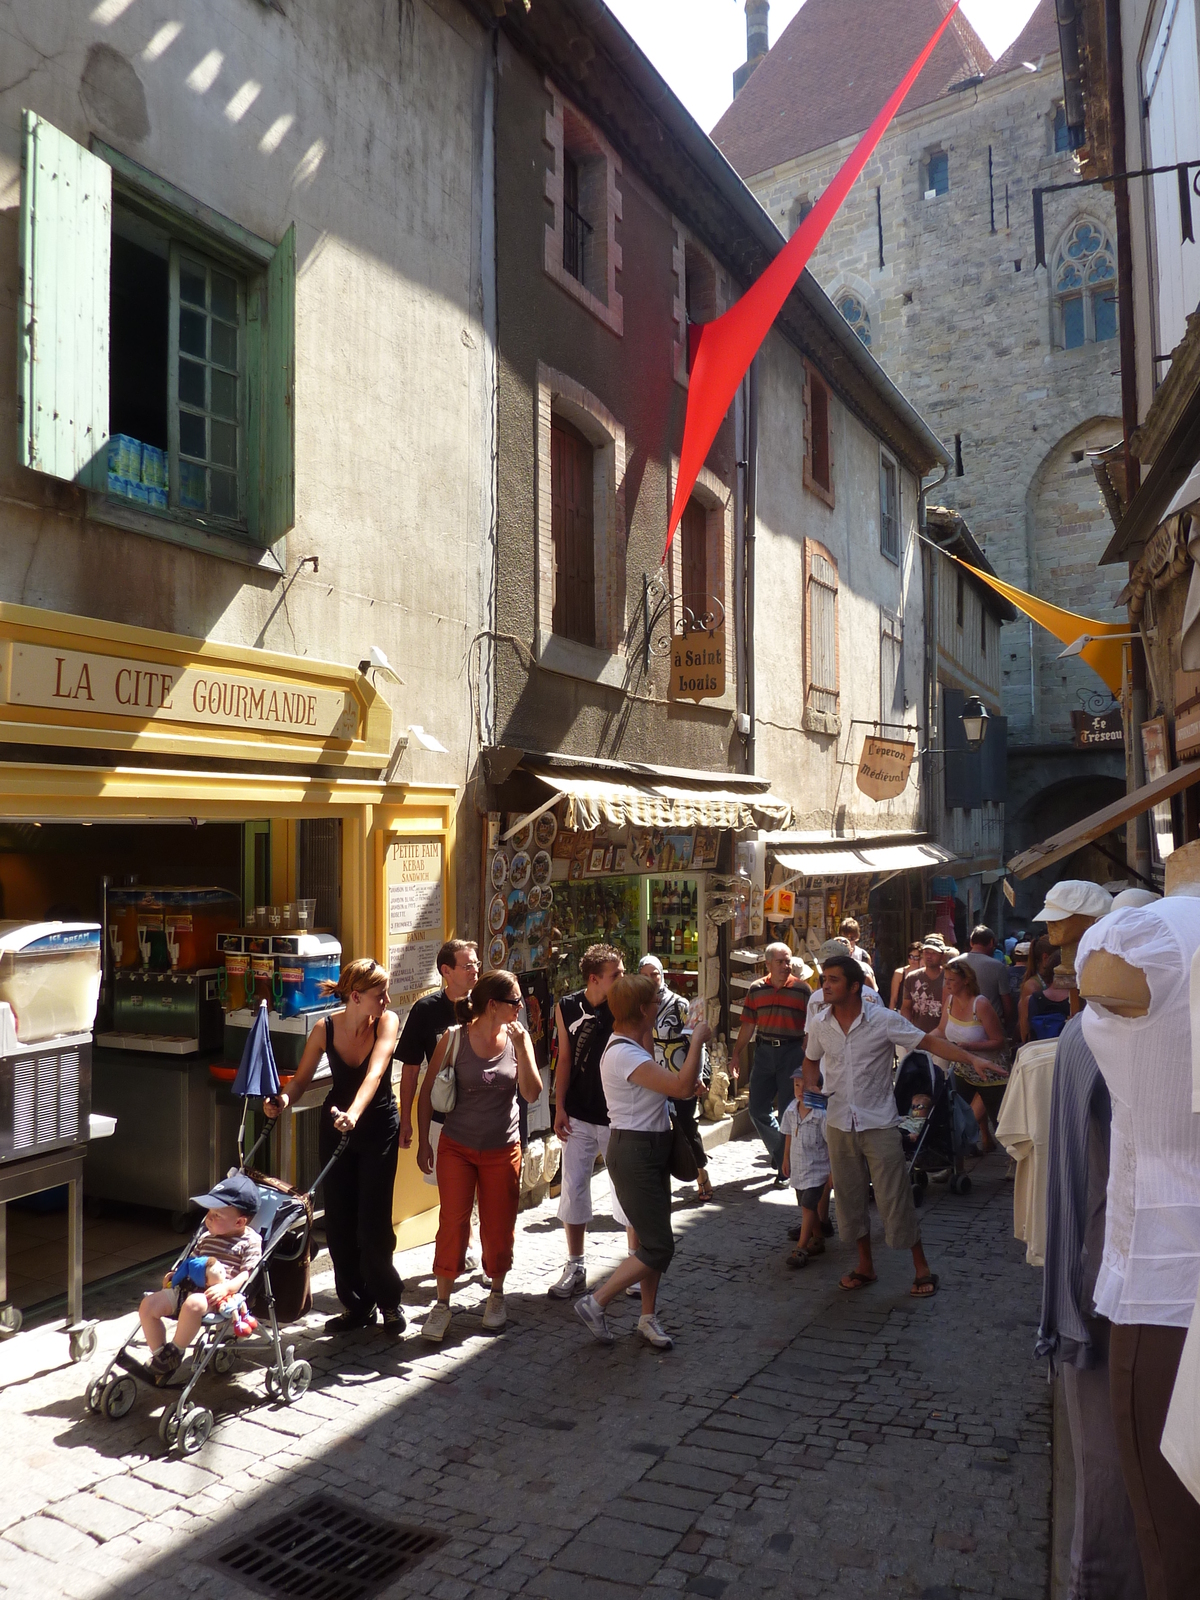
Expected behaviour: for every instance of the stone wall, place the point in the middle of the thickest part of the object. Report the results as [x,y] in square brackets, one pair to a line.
[963,324]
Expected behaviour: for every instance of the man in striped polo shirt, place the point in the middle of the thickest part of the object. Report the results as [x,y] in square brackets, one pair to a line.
[775,1011]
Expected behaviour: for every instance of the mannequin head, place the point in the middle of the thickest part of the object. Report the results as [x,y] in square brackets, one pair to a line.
[1072,905]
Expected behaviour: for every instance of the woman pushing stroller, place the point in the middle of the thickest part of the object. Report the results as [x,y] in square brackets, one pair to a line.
[359,1041]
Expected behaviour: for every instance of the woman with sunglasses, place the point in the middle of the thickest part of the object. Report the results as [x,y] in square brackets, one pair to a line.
[480,1146]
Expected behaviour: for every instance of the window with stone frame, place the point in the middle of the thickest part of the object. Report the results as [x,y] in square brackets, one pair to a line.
[821,651]
[818,436]
[1060,131]
[1084,284]
[797,211]
[581,531]
[889,508]
[581,251]
[701,294]
[854,310]
[935,173]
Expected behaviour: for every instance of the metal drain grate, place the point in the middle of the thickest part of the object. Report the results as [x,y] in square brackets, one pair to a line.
[324,1550]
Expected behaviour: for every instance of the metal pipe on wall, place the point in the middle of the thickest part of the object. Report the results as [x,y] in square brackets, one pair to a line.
[751,525]
[1116,121]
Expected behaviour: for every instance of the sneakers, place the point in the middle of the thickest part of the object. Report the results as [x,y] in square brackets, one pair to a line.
[590,1312]
[348,1321]
[165,1362]
[634,1291]
[651,1329]
[435,1324]
[572,1282]
[471,1263]
[494,1313]
[394,1322]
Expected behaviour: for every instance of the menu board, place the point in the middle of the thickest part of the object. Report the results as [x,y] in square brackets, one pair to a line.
[415,902]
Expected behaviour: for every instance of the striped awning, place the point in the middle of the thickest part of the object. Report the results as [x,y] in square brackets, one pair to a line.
[663,805]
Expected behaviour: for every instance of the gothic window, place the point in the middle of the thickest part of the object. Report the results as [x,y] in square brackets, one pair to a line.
[1085,287]
[856,314]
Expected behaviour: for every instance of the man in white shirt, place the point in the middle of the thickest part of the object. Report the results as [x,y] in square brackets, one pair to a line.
[854,1047]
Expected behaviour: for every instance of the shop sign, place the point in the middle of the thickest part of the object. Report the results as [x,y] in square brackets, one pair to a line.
[1187,715]
[1106,728]
[698,665]
[119,686]
[884,767]
[415,917]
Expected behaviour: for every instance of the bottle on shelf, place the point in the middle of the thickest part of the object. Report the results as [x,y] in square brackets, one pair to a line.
[678,941]
[656,902]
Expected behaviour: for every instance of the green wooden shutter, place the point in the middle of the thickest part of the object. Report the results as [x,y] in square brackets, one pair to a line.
[62,345]
[271,419]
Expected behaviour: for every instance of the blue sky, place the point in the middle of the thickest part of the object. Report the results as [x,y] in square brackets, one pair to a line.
[696,44]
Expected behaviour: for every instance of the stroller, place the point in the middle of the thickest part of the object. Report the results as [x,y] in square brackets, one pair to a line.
[284,1221]
[942,1142]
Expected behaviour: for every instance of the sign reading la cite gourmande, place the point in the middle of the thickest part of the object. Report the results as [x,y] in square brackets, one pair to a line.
[89,681]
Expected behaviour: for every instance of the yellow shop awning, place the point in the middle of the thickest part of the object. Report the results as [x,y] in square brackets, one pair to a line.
[1102,655]
[663,804]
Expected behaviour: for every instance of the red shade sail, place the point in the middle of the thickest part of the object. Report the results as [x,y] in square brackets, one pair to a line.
[723,350]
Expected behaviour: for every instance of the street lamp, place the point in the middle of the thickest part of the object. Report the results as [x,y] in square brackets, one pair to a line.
[974,721]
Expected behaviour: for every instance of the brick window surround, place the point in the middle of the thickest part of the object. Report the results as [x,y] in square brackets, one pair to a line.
[818,435]
[560,395]
[717,500]
[600,201]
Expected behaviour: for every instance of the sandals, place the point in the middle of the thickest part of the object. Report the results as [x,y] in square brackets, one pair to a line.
[704,1188]
[925,1286]
[798,1258]
[854,1279]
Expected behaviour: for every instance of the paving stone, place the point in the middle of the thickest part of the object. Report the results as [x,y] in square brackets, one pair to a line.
[91,1514]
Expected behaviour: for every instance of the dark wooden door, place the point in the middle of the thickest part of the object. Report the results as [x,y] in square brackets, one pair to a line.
[693,555]
[572,530]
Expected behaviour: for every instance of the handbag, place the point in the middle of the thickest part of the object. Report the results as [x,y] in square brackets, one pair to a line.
[444,1094]
[682,1164]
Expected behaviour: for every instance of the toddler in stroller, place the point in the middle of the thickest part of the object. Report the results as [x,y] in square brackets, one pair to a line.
[270,1274]
[213,1273]
[929,1130]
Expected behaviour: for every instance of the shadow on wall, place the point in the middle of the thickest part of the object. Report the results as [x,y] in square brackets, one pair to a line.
[1049,811]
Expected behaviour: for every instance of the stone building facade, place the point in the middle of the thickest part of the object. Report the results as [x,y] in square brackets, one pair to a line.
[931,260]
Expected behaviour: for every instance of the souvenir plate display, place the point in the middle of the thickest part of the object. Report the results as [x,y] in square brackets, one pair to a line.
[541,867]
[498,951]
[519,872]
[499,870]
[544,830]
[534,897]
[497,913]
[523,838]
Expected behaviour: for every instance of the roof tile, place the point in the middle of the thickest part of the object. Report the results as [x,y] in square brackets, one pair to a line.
[832,69]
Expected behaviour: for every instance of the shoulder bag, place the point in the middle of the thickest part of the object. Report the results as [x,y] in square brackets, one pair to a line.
[682,1164]
[444,1094]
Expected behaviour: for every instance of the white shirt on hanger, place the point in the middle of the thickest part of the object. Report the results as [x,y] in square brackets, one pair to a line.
[1151,1266]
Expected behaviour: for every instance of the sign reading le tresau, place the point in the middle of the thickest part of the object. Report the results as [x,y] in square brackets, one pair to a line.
[884,767]
[89,681]
[698,665]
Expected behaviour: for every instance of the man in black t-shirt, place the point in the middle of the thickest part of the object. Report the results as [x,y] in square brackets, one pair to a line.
[458,968]
[583,1024]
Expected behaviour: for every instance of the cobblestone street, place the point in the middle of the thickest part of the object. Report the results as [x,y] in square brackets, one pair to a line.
[799,1440]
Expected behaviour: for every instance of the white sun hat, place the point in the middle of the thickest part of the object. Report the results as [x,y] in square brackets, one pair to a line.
[1075,897]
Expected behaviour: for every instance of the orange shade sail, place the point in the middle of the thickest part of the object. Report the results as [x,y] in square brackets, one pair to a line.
[1103,655]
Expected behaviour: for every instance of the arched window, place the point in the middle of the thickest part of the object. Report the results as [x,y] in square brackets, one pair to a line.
[856,314]
[1085,287]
